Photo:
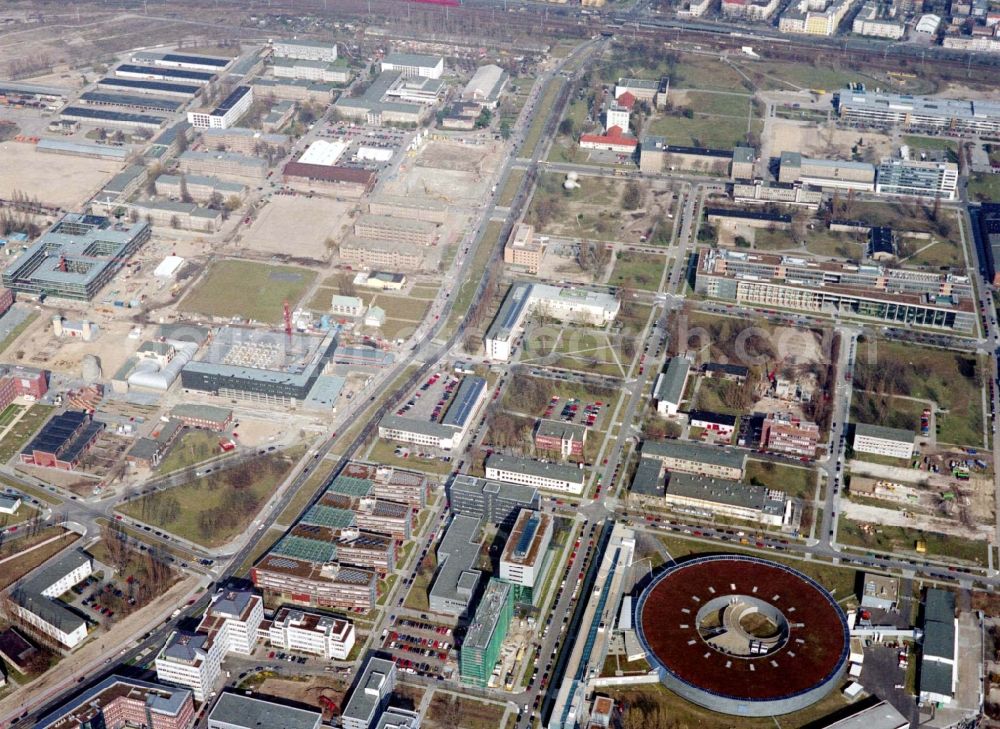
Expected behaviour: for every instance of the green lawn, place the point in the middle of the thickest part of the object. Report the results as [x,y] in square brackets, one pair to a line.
[717,132]
[773,240]
[838,580]
[26,427]
[947,378]
[984,187]
[638,271]
[9,413]
[248,290]
[798,483]
[832,244]
[705,102]
[783,75]
[934,253]
[194,446]
[705,73]
[933,143]
[29,560]
[214,509]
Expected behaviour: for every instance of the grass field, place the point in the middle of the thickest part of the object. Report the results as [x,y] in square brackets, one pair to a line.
[840,581]
[799,483]
[12,571]
[947,378]
[899,539]
[832,244]
[717,132]
[510,187]
[983,186]
[542,113]
[935,253]
[932,143]
[194,446]
[248,290]
[769,75]
[9,413]
[19,435]
[304,495]
[213,509]
[463,300]
[17,331]
[638,271]
[706,73]
[25,512]
[653,700]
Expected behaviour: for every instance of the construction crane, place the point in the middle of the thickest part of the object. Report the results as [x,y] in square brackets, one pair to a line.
[288,322]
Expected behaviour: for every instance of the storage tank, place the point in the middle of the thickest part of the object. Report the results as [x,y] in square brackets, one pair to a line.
[90,366]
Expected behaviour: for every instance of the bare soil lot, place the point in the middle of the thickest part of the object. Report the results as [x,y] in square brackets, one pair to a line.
[54,179]
[298,226]
[112,347]
[448,172]
[827,141]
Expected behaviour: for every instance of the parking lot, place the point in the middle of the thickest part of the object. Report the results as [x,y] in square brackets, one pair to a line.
[574,410]
[430,401]
[421,648]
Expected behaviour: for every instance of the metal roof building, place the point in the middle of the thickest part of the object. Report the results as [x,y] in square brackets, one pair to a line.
[457,578]
[486,85]
[236,711]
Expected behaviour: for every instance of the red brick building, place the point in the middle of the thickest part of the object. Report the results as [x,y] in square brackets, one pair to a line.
[790,435]
[566,439]
[118,702]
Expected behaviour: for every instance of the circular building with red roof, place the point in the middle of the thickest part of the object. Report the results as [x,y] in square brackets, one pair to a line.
[742,635]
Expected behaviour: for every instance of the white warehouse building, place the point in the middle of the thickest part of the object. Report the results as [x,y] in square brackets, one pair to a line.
[559,477]
[305,49]
[883,441]
[414,64]
[565,304]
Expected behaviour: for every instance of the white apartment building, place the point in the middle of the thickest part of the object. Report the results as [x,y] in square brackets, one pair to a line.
[305,49]
[883,441]
[192,660]
[321,635]
[617,116]
[414,64]
[226,114]
[559,477]
[235,617]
